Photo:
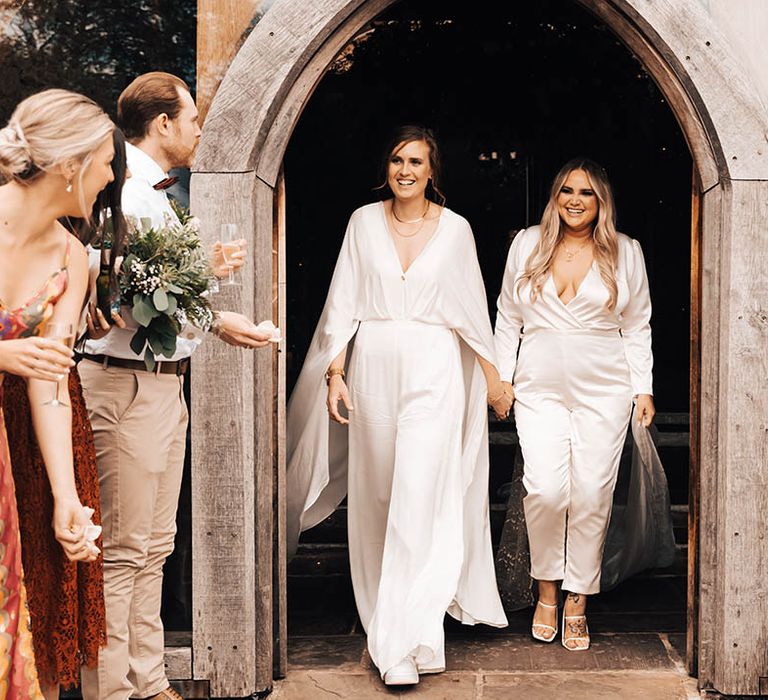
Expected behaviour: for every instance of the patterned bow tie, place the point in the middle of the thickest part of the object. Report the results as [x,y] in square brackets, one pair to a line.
[165,184]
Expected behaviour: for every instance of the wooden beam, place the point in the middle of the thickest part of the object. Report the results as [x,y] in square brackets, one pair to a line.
[178,663]
[269,81]
[232,459]
[280,562]
[691,655]
[263,198]
[714,231]
[270,153]
[222,27]
[741,613]
[696,70]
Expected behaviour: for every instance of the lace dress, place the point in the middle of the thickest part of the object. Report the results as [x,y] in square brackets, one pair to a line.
[66,599]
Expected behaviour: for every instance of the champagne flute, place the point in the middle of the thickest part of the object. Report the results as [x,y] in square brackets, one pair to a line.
[230,246]
[64,332]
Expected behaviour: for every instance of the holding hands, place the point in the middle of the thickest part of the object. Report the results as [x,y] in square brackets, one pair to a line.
[501,403]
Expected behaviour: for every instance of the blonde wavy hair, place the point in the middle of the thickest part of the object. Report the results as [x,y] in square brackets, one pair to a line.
[604,237]
[47,129]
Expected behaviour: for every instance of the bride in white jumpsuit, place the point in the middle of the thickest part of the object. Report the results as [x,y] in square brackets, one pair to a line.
[585,354]
[407,286]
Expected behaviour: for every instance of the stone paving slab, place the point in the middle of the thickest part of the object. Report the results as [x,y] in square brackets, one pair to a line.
[330,685]
[515,653]
[340,652]
[601,685]
[585,685]
[520,653]
[503,667]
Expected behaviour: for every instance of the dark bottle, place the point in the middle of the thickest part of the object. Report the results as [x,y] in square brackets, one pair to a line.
[107,297]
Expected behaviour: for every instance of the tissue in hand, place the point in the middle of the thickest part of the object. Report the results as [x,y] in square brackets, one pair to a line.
[277,336]
[92,531]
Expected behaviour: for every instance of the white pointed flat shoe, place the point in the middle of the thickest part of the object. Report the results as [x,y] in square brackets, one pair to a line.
[404,673]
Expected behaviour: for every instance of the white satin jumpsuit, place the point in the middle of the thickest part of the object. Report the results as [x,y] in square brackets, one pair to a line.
[578,368]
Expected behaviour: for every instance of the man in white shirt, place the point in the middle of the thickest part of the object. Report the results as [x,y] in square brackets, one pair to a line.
[139,418]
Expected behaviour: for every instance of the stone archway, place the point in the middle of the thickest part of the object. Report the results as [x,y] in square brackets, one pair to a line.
[237,450]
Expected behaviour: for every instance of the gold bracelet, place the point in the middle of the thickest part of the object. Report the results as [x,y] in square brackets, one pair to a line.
[332,372]
[503,391]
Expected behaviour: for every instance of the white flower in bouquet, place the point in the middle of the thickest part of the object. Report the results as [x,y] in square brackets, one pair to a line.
[164,279]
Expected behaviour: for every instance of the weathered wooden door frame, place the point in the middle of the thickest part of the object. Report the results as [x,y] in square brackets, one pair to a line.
[235,445]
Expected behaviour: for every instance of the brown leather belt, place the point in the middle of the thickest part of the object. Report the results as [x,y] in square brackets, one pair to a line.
[177,367]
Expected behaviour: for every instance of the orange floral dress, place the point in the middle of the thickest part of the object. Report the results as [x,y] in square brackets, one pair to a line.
[18,676]
[66,599]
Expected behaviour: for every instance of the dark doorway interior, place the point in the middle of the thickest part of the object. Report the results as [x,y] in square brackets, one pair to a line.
[513,90]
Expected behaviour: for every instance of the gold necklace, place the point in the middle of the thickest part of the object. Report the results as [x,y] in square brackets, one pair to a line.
[571,254]
[413,221]
[417,231]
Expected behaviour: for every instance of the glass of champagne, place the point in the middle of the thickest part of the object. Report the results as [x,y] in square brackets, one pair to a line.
[64,332]
[229,246]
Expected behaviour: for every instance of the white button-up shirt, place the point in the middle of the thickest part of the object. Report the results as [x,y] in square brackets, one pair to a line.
[141,200]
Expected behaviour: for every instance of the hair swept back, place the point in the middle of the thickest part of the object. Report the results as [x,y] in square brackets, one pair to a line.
[47,129]
[407,134]
[148,96]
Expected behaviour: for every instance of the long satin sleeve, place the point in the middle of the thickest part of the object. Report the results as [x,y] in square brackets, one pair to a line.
[509,319]
[636,324]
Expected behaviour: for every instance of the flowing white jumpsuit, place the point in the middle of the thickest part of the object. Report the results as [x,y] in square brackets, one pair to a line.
[416,447]
[578,368]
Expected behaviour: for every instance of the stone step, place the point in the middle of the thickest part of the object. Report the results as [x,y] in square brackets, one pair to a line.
[333,530]
[328,560]
[508,438]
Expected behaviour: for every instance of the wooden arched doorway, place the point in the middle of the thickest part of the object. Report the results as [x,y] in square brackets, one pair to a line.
[237,451]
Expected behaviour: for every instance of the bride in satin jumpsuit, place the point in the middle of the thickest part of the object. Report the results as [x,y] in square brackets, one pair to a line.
[575,301]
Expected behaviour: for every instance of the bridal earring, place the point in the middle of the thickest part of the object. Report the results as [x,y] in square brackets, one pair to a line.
[68,188]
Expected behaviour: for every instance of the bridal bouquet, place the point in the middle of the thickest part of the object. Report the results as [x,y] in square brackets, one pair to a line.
[164,279]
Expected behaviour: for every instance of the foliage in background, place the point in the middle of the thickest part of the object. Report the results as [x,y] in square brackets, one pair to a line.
[95,48]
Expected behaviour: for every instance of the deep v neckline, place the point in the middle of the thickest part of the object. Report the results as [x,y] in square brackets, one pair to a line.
[399,262]
[578,289]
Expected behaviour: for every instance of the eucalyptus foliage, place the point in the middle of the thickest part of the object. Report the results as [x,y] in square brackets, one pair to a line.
[164,278]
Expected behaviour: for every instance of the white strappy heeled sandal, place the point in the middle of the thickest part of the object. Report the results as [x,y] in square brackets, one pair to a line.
[534,625]
[581,632]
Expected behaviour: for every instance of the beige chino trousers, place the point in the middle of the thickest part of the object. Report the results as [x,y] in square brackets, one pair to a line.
[139,422]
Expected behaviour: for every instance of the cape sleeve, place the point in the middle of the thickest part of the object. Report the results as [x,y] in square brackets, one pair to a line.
[466,309]
[316,449]
[509,318]
[636,323]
